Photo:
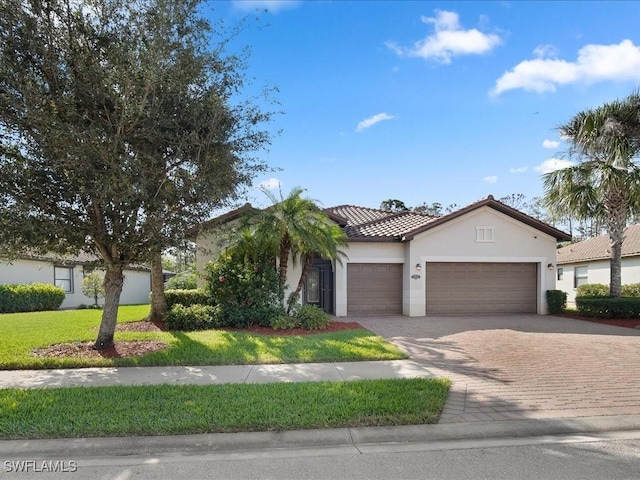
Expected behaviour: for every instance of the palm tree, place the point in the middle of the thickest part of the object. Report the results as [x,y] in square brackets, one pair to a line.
[300,228]
[326,242]
[605,184]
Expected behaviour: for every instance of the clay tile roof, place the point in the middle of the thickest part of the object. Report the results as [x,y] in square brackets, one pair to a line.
[597,248]
[374,224]
[358,215]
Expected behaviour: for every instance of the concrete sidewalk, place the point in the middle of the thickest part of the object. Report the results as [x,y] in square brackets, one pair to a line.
[207,375]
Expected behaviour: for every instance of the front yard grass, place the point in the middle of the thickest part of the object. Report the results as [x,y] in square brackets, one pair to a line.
[23,332]
[171,409]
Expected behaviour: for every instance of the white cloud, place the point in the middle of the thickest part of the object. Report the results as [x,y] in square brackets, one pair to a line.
[491,179]
[550,143]
[371,121]
[546,51]
[519,169]
[273,6]
[595,63]
[269,184]
[449,40]
[552,164]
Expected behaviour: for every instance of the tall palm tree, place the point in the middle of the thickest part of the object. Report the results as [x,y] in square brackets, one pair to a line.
[605,184]
[300,228]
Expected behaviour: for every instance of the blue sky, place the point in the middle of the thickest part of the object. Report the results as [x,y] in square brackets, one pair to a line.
[430,101]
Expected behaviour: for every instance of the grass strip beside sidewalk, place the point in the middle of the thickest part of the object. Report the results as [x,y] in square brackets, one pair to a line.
[186,409]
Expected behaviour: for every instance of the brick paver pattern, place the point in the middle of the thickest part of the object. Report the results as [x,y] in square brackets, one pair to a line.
[514,367]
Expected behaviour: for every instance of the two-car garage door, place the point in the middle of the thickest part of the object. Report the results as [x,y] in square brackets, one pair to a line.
[481,287]
[458,288]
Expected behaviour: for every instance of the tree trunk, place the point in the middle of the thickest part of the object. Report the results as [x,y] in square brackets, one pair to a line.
[113,281]
[615,264]
[295,295]
[616,222]
[158,300]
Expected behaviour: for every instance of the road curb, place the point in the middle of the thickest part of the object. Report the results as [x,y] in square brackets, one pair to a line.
[341,437]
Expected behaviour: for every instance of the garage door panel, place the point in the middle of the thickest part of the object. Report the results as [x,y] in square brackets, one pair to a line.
[481,287]
[374,288]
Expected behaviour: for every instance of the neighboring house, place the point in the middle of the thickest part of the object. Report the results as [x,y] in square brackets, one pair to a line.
[588,262]
[484,258]
[68,273]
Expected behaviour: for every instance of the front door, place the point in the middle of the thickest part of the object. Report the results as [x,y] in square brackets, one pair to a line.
[318,287]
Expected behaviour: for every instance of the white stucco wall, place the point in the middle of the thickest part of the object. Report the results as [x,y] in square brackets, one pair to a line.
[455,241]
[597,272]
[136,288]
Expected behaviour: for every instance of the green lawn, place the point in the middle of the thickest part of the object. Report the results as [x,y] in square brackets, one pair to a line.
[22,332]
[170,409]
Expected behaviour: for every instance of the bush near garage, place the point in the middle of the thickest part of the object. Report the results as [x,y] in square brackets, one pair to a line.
[631,290]
[592,290]
[556,301]
[30,297]
[608,307]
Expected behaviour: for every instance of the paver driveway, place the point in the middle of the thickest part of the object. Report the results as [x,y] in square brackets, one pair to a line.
[522,366]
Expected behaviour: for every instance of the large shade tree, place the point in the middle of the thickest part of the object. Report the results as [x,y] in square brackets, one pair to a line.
[605,182]
[117,130]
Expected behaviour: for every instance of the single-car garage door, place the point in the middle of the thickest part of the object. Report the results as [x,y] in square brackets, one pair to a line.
[374,288]
[481,287]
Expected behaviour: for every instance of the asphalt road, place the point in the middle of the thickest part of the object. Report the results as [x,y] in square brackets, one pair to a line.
[610,456]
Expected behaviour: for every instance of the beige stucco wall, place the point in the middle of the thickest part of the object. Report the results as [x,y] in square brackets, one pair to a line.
[597,272]
[137,284]
[455,241]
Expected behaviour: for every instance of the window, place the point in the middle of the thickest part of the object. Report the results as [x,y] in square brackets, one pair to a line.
[560,273]
[484,234]
[63,278]
[580,277]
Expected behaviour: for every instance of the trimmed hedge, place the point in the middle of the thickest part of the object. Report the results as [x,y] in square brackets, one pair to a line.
[592,290]
[185,298]
[30,297]
[193,317]
[609,307]
[631,290]
[556,301]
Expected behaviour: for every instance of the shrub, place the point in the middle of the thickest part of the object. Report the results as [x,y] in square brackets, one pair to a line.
[608,307]
[631,290]
[246,290]
[31,297]
[186,297]
[311,317]
[284,322]
[592,290]
[556,301]
[192,317]
[241,316]
[182,281]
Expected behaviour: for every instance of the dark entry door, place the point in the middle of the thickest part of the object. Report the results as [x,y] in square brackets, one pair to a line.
[318,287]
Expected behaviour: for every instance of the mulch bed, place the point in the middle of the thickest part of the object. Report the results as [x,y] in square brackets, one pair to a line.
[619,322]
[85,350]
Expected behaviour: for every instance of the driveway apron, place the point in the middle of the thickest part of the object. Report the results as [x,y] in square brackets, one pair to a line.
[513,367]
